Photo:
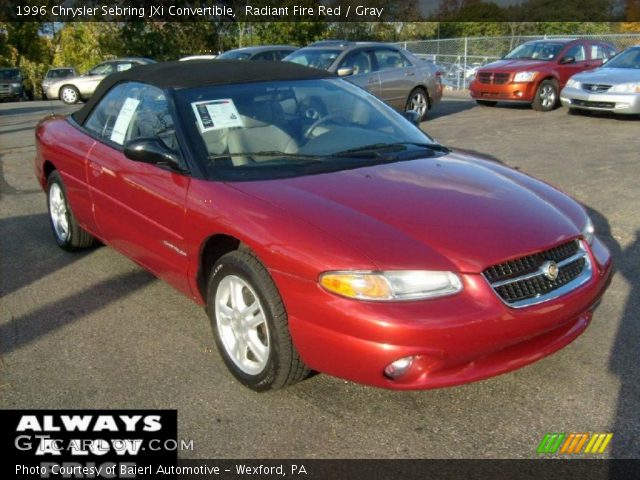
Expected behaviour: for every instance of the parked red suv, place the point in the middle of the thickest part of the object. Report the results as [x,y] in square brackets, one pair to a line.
[536,71]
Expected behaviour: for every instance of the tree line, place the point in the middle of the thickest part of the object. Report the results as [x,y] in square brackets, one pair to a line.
[37,46]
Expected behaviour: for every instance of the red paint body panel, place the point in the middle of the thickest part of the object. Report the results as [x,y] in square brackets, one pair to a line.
[457,213]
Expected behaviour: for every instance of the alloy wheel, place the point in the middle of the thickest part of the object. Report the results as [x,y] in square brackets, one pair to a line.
[242,325]
[69,95]
[418,103]
[58,212]
[547,96]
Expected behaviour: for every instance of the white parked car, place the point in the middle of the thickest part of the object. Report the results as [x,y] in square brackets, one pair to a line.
[73,89]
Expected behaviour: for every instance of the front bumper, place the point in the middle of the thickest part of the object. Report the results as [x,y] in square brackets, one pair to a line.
[457,339]
[9,91]
[507,92]
[628,103]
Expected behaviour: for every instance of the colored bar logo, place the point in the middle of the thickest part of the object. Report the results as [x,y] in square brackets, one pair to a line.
[574,443]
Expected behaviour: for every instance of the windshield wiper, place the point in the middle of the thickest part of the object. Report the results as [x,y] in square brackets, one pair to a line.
[378,148]
[267,153]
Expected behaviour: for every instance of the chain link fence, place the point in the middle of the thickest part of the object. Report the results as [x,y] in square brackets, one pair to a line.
[459,58]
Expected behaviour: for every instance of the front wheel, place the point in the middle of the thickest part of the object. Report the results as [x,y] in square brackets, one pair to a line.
[250,324]
[418,102]
[546,98]
[66,230]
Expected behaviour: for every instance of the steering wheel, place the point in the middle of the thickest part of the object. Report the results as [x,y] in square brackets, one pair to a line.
[320,121]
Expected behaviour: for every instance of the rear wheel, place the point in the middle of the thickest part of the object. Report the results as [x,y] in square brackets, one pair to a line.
[418,102]
[250,324]
[66,231]
[69,94]
[486,103]
[546,98]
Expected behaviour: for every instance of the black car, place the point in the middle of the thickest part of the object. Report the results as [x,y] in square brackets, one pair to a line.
[12,84]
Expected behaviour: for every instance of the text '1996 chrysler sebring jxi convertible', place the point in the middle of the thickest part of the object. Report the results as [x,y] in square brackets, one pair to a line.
[322,230]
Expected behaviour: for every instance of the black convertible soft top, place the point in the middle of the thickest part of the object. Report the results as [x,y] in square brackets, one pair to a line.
[197,73]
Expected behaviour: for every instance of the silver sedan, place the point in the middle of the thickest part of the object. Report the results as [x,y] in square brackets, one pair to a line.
[74,89]
[402,80]
[614,87]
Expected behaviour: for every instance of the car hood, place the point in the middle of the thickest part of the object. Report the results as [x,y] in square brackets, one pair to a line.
[452,212]
[514,65]
[611,76]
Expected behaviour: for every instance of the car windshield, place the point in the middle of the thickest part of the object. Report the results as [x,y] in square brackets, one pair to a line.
[628,59]
[536,51]
[9,73]
[59,73]
[314,57]
[280,129]
[234,55]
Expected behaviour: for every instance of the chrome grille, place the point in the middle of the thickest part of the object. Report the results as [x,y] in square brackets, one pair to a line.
[5,88]
[493,78]
[524,281]
[596,87]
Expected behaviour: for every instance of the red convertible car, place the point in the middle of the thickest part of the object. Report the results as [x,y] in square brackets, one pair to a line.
[321,229]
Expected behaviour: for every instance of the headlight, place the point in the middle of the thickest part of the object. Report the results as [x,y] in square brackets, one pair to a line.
[16,85]
[632,87]
[573,83]
[524,76]
[391,285]
[588,231]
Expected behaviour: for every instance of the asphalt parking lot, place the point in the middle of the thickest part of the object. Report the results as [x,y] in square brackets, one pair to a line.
[93,330]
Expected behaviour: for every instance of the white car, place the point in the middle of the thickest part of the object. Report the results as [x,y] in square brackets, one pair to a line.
[73,89]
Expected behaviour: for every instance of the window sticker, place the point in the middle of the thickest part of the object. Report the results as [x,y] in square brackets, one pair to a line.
[216,114]
[124,119]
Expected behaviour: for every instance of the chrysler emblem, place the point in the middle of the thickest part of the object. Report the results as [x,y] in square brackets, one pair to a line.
[550,270]
[594,88]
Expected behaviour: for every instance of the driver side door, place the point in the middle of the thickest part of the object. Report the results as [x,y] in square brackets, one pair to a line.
[364,76]
[139,208]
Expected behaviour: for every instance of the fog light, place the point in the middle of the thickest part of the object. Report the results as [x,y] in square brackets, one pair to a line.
[518,93]
[398,368]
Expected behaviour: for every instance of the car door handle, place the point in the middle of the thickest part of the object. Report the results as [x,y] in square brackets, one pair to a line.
[96,169]
[410,73]
[372,80]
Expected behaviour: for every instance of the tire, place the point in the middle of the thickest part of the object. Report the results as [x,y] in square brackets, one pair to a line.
[66,231]
[546,98]
[418,101]
[486,103]
[69,94]
[261,356]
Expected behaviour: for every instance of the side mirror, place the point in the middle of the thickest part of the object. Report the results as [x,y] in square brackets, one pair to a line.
[345,72]
[567,59]
[412,116]
[152,150]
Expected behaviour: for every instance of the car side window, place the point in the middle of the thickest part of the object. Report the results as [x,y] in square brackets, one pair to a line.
[388,58]
[122,66]
[263,56]
[103,69]
[152,118]
[360,62]
[597,52]
[610,52]
[103,117]
[577,52]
